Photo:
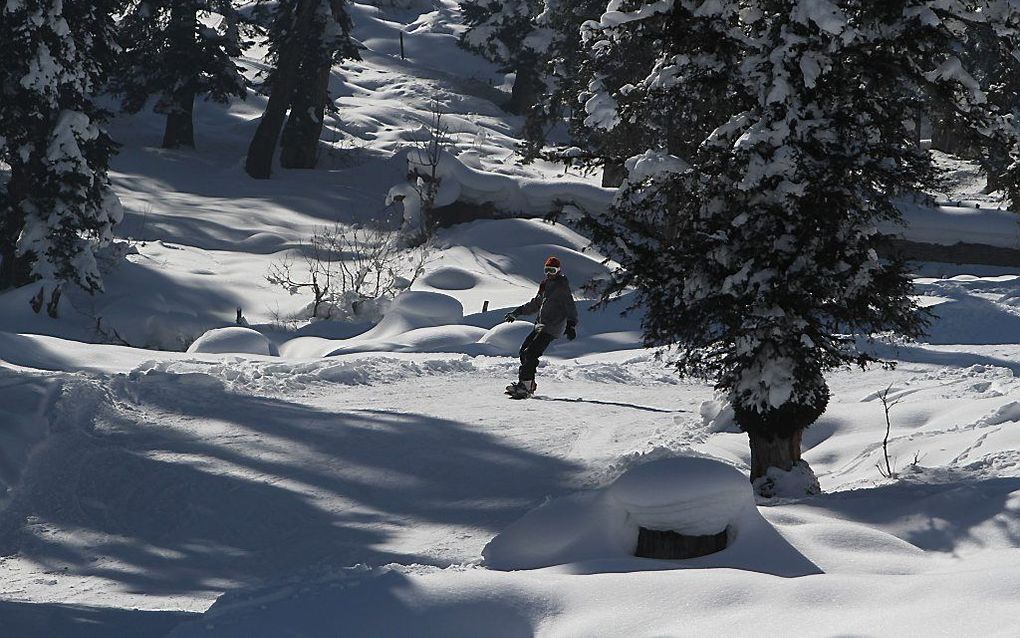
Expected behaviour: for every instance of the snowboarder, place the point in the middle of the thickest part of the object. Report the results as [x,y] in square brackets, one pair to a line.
[557,316]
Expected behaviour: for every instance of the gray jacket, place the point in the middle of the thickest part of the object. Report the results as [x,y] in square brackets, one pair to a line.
[554,304]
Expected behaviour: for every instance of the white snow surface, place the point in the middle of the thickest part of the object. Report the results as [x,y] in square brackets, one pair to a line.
[374,481]
[233,339]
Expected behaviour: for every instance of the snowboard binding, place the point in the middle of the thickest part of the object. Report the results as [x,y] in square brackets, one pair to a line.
[521,389]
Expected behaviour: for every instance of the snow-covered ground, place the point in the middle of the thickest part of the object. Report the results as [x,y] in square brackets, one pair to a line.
[374,481]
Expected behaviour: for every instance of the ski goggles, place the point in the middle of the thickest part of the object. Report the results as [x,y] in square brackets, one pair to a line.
[551,270]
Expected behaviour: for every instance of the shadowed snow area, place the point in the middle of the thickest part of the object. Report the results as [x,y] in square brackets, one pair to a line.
[371,479]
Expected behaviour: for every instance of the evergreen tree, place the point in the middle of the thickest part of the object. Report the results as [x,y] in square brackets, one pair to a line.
[306,37]
[756,252]
[616,108]
[57,204]
[563,79]
[504,32]
[171,52]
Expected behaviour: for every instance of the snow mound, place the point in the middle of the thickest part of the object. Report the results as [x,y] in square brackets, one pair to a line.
[432,339]
[451,278]
[689,495]
[597,531]
[506,338]
[799,482]
[461,183]
[233,340]
[417,320]
[416,309]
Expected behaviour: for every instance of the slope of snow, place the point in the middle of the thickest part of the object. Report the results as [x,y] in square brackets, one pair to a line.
[356,493]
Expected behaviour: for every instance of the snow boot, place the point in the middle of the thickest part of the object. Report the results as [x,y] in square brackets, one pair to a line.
[521,389]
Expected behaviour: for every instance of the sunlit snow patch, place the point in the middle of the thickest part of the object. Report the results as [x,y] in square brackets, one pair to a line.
[233,340]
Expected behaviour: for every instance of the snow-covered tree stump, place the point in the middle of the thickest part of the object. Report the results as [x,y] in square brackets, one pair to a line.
[682,507]
[669,509]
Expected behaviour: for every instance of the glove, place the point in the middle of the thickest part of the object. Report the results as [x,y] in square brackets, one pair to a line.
[509,318]
[571,332]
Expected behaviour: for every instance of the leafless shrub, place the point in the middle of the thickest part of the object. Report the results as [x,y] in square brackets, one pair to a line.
[424,174]
[887,404]
[347,269]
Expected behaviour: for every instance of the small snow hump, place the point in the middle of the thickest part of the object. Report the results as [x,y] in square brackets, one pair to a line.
[233,340]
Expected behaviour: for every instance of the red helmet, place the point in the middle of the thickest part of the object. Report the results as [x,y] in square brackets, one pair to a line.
[552,262]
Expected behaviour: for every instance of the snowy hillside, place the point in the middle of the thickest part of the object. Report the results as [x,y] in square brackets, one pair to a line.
[370,478]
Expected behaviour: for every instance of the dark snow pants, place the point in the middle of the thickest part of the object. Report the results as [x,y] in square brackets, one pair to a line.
[533,348]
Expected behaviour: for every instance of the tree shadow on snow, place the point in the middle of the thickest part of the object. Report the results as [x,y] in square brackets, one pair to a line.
[54,620]
[616,404]
[382,603]
[177,510]
[935,516]
[919,354]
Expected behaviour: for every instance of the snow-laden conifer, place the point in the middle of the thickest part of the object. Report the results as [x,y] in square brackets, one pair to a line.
[616,75]
[177,51]
[754,247]
[504,32]
[56,205]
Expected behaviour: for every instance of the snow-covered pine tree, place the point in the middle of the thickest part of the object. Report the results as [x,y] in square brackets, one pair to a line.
[616,107]
[306,37]
[179,50]
[504,32]
[558,34]
[756,255]
[57,204]
[991,61]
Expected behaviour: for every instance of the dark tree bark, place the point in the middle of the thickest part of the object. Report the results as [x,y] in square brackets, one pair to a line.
[180,127]
[613,173]
[994,182]
[950,137]
[15,270]
[180,123]
[299,143]
[668,545]
[526,89]
[782,452]
[259,162]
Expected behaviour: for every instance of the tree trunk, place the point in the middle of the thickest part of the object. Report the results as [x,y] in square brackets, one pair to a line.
[949,137]
[180,125]
[994,182]
[259,162]
[779,452]
[299,144]
[613,173]
[525,91]
[182,35]
[15,270]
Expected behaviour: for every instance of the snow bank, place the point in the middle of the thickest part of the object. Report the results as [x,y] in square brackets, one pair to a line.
[455,602]
[409,312]
[233,340]
[948,225]
[461,183]
[972,310]
[24,398]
